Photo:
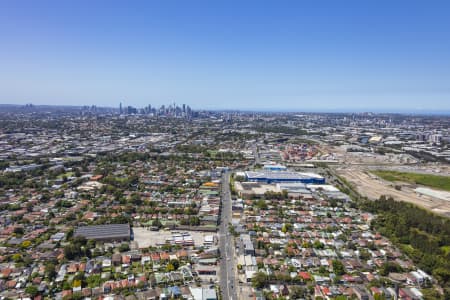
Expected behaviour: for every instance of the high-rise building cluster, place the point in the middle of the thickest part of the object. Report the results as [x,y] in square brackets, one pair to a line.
[172,110]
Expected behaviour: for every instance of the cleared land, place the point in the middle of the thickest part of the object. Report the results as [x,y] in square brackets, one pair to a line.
[434,181]
[373,187]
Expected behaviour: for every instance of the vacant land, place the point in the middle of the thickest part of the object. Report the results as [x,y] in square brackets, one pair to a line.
[434,181]
[373,187]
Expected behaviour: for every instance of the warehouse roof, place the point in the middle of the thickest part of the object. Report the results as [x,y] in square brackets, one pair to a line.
[281,175]
[109,231]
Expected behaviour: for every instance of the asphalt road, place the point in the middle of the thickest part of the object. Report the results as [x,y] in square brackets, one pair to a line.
[256,154]
[227,271]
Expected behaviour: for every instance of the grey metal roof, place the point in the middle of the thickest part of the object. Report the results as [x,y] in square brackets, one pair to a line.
[108,231]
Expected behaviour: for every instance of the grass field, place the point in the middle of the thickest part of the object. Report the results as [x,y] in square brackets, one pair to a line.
[434,181]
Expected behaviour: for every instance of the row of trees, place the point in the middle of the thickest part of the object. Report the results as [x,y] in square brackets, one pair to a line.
[79,247]
[281,129]
[191,220]
[261,279]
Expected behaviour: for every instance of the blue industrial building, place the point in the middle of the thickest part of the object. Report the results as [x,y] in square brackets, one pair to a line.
[274,168]
[283,176]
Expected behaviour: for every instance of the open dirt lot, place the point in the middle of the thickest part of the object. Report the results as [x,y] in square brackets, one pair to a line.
[146,238]
[373,187]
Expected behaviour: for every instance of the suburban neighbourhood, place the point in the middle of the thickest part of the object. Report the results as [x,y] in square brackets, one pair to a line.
[176,204]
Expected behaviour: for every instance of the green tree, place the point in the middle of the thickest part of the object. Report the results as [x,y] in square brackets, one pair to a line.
[323,270]
[259,280]
[298,292]
[31,290]
[50,270]
[17,257]
[338,267]
[170,267]
[318,245]
[175,263]
[390,267]
[364,254]
[442,274]
[261,204]
[124,247]
[19,231]
[135,198]
[379,297]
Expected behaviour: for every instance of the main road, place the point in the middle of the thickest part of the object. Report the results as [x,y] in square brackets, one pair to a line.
[227,272]
[256,154]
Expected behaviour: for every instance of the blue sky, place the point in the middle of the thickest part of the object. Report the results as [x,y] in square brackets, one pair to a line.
[261,55]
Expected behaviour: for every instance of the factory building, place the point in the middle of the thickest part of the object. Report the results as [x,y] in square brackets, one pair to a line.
[109,232]
[274,168]
[268,176]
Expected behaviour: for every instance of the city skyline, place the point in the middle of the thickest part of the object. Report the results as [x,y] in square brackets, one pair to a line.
[292,57]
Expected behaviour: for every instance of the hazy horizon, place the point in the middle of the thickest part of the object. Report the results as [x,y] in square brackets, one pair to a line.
[256,110]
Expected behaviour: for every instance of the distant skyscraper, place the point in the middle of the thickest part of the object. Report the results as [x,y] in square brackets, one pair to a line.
[120,108]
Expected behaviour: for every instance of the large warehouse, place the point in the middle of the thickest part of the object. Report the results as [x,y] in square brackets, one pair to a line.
[108,232]
[283,176]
